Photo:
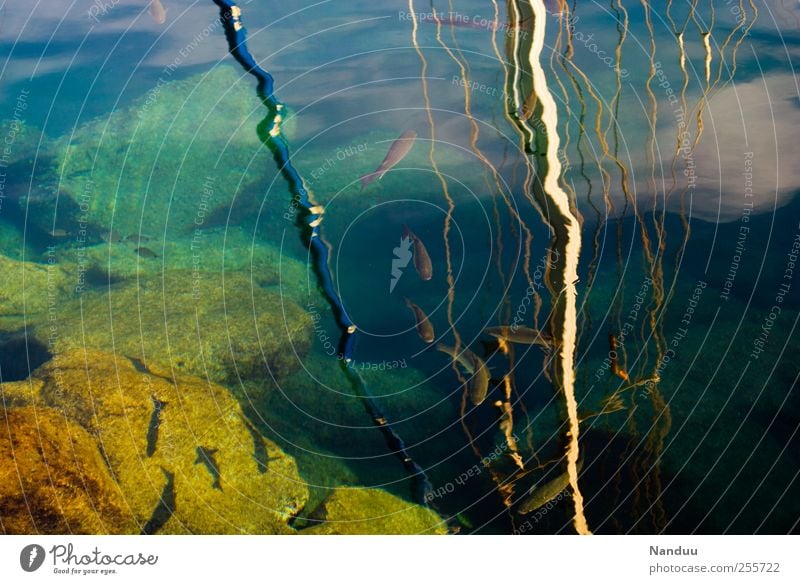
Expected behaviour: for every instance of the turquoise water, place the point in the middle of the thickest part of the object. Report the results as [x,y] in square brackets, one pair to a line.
[134,159]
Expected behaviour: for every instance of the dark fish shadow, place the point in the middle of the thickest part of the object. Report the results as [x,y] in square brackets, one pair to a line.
[155,422]
[164,509]
[260,454]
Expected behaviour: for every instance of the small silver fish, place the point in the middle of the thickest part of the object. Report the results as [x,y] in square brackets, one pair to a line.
[422,261]
[137,238]
[157,12]
[478,384]
[424,326]
[541,495]
[110,236]
[397,152]
[522,335]
[146,252]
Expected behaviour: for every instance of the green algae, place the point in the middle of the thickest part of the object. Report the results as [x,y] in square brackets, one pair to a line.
[349,511]
[168,161]
[111,400]
[54,480]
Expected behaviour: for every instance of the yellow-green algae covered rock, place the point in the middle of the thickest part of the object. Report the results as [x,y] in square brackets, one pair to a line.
[182,454]
[205,253]
[53,478]
[352,511]
[204,308]
[30,288]
[171,158]
[196,323]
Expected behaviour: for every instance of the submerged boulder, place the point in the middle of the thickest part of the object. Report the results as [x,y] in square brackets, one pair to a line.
[372,512]
[54,480]
[169,160]
[178,453]
[192,322]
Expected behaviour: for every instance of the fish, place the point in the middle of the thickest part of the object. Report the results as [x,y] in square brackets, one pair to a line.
[58,233]
[146,252]
[110,236]
[155,422]
[205,456]
[541,495]
[464,520]
[422,261]
[137,238]
[158,12]
[397,151]
[165,507]
[424,326]
[478,384]
[553,7]
[522,335]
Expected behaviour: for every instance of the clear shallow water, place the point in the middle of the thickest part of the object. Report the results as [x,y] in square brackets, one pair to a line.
[675,130]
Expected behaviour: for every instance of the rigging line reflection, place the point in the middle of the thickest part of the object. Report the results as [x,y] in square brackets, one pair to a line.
[309,219]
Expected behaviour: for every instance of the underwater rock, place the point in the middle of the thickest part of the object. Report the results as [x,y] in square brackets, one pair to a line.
[29,288]
[54,480]
[373,512]
[149,427]
[184,150]
[195,323]
[212,250]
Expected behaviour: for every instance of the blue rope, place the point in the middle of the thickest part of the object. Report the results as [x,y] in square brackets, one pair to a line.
[309,218]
